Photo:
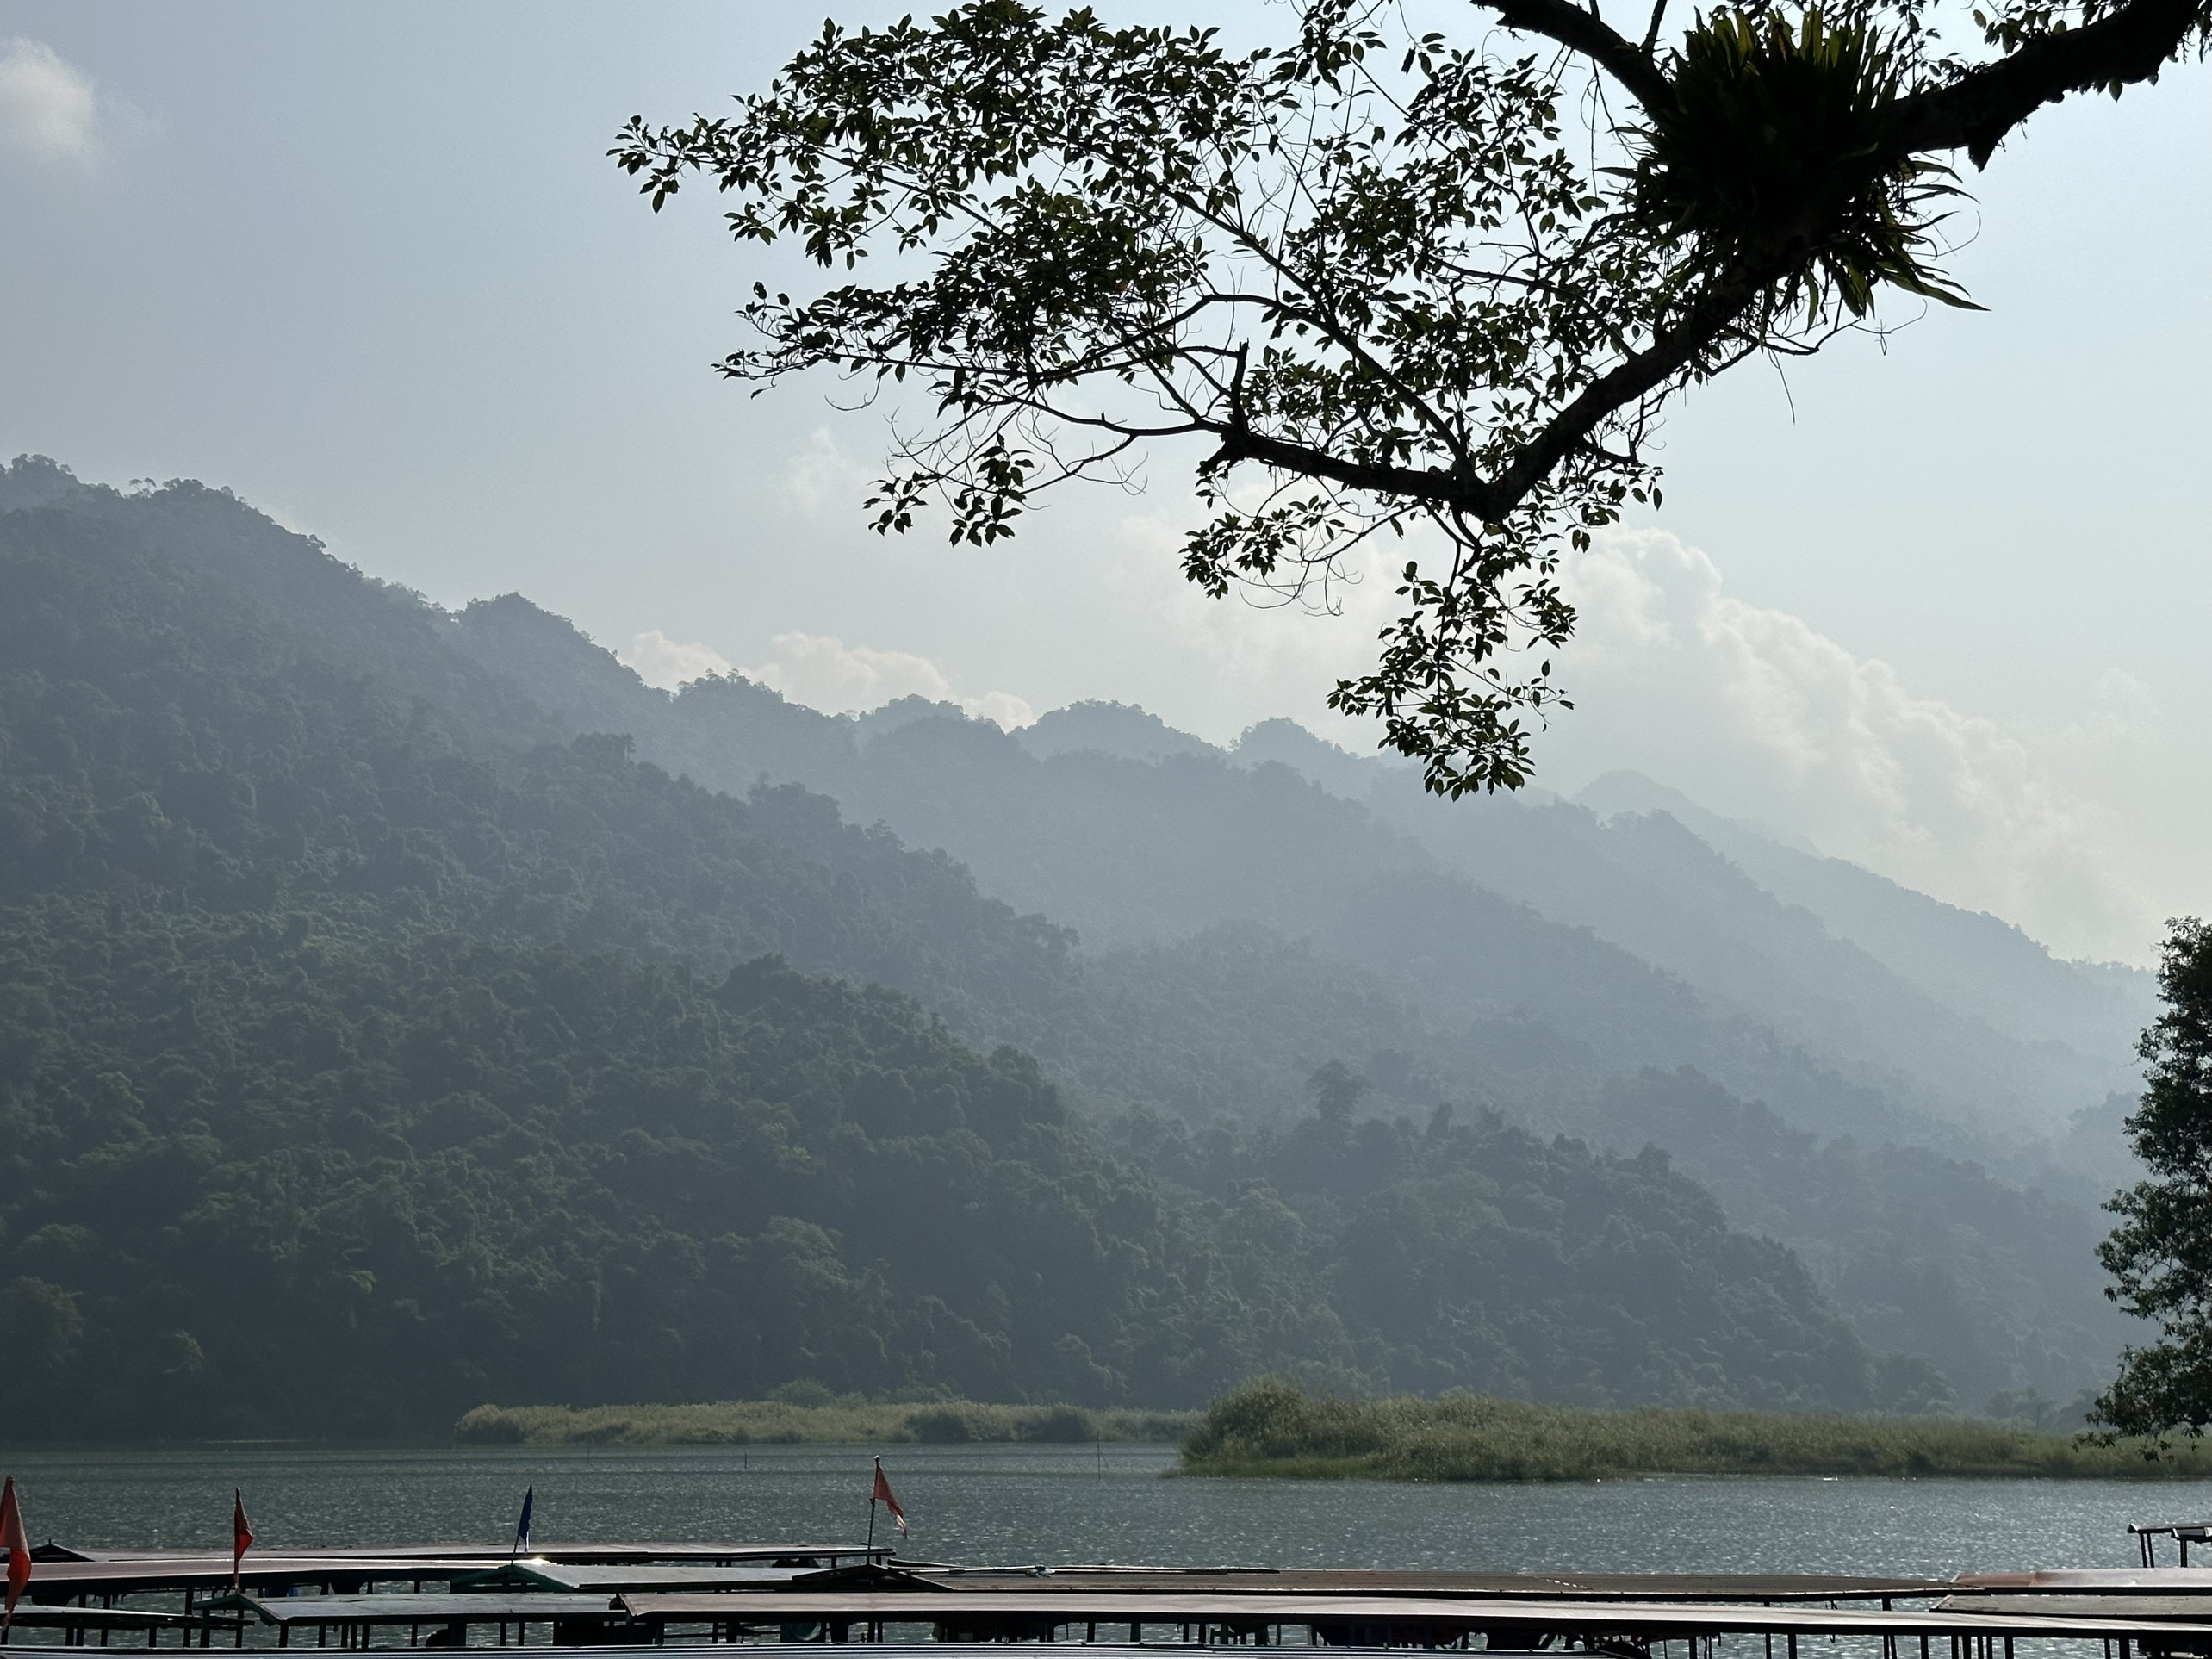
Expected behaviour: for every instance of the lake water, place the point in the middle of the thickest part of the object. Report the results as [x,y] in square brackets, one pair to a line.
[1021,1505]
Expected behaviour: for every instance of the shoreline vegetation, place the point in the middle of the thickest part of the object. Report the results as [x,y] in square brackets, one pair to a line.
[1272,1428]
[824,1420]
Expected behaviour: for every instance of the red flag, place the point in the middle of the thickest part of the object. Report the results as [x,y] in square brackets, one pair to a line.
[241,1533]
[18,1548]
[882,1494]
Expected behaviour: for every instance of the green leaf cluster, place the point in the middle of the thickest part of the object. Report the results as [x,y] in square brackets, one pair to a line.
[1774,137]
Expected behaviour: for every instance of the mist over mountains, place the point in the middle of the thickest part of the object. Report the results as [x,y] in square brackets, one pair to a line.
[405,967]
[1808,971]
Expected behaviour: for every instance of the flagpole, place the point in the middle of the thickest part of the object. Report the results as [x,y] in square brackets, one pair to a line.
[880,1491]
[17,1544]
[241,1535]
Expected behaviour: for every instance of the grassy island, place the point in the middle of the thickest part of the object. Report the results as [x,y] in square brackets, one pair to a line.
[807,1418]
[1272,1428]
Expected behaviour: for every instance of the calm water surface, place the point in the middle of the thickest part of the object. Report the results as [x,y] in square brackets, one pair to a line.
[1012,1504]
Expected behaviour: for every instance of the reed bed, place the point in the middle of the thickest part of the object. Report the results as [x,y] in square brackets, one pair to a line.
[845,1420]
[1273,1428]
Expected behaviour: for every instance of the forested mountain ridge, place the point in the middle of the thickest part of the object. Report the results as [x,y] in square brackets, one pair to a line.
[358,1062]
[1972,961]
[1927,1253]
[1106,817]
[1073,818]
[501,669]
[269,1182]
[443,808]
[1700,906]
[1048,840]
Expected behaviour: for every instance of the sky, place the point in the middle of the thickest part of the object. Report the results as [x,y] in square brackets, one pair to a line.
[1937,604]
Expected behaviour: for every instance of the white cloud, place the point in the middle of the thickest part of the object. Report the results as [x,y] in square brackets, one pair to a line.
[1215,667]
[669,663]
[824,482]
[1757,715]
[823,671]
[50,110]
[1001,708]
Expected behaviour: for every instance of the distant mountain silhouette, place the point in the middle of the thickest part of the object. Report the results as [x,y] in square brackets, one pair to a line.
[1184,934]
[1970,961]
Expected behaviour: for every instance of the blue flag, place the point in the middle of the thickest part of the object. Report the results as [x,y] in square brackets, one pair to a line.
[522,1526]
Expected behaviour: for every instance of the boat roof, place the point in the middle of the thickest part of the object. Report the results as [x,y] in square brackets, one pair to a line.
[123,1572]
[409,1609]
[1392,1614]
[643,1576]
[1247,1581]
[2140,1609]
[2161,1580]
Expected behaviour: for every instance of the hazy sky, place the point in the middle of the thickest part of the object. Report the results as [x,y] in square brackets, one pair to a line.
[1941,609]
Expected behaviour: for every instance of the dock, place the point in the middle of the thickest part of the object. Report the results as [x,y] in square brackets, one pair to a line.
[76,1575]
[703,1598]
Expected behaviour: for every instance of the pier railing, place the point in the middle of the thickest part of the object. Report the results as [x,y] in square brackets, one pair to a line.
[2183,1533]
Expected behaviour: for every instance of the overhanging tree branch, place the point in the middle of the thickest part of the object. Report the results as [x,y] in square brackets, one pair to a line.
[1585,32]
[2126,46]
[1463,315]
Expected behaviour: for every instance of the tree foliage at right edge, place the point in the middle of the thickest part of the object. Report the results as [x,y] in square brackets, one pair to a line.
[2161,1251]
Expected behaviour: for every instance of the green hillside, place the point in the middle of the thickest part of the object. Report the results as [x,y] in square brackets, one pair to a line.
[364,1056]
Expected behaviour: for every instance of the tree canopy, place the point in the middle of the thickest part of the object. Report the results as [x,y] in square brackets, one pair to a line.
[1390,280]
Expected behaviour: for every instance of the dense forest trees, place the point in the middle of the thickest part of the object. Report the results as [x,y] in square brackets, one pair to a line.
[2160,1255]
[262,1178]
[358,1063]
[1247,913]
[265,1179]
[1475,1255]
[160,731]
